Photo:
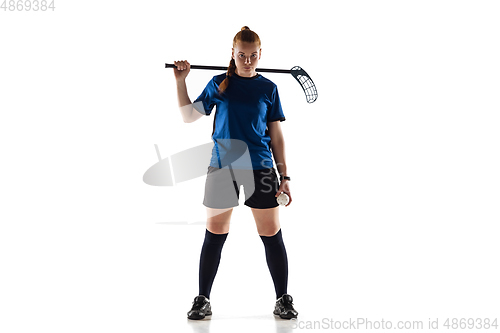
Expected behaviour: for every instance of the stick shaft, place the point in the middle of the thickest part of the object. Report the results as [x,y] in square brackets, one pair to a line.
[222,68]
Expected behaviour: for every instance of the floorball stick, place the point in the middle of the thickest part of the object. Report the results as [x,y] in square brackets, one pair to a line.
[297,72]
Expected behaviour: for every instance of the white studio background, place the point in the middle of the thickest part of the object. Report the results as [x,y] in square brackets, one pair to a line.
[394,168]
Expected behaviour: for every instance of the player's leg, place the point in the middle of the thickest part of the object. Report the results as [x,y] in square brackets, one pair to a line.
[215,236]
[268,227]
[266,220]
[218,220]
[216,232]
[219,192]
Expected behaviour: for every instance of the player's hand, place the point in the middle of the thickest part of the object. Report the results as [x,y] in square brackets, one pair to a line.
[182,70]
[285,187]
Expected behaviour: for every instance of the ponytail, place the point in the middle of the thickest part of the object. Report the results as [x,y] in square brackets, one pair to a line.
[230,71]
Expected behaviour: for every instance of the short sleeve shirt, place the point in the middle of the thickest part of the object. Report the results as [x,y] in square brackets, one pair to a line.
[243,111]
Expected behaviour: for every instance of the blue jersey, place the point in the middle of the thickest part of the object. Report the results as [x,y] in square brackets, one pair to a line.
[240,122]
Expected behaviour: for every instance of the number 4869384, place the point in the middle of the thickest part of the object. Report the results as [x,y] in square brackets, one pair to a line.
[27,5]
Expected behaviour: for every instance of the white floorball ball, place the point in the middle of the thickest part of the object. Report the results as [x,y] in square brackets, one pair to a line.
[283,199]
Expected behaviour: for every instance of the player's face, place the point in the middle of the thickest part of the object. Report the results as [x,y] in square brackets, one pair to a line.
[246,55]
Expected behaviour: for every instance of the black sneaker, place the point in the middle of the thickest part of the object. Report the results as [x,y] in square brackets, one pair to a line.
[284,307]
[201,308]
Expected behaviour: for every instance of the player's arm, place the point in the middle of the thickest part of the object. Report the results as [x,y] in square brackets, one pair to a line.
[188,112]
[278,146]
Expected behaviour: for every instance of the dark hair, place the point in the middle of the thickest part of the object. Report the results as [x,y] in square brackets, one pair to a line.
[244,35]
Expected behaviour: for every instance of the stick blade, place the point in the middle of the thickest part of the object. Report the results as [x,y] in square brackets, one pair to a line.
[306,83]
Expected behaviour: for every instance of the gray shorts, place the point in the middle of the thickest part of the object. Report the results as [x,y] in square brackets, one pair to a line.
[222,187]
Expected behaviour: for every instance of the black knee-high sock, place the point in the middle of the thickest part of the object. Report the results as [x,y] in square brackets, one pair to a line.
[277,261]
[209,261]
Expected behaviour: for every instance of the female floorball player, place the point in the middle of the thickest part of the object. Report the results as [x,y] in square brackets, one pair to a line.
[247,103]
